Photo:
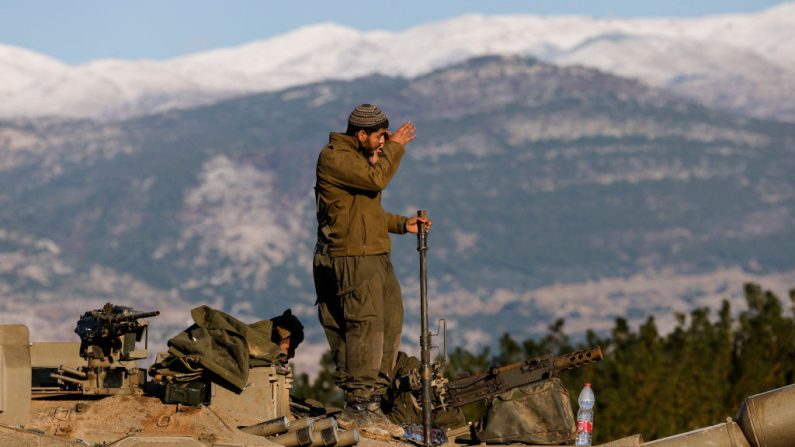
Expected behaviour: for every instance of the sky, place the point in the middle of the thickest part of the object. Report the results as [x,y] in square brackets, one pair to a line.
[77,31]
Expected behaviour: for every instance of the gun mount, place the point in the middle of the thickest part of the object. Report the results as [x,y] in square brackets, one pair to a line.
[108,338]
[108,335]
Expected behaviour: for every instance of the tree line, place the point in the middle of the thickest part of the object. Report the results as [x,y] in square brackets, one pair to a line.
[651,383]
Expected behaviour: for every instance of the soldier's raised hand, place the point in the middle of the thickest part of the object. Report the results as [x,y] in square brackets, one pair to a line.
[405,134]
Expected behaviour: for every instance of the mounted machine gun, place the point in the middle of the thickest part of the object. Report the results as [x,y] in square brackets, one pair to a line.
[107,353]
[496,380]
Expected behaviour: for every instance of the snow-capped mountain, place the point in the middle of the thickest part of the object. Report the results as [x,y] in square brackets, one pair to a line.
[23,69]
[605,197]
[742,62]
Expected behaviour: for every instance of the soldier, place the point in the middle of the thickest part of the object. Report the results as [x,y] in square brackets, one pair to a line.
[287,332]
[359,301]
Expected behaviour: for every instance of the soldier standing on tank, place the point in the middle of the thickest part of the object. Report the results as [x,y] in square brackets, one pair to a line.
[359,300]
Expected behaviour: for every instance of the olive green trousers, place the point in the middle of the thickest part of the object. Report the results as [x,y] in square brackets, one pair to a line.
[361,310]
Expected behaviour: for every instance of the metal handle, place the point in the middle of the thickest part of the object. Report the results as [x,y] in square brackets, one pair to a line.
[425,336]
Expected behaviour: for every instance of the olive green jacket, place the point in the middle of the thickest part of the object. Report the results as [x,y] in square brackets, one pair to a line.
[351,221]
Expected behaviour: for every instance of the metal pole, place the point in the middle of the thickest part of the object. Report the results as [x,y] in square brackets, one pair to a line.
[425,336]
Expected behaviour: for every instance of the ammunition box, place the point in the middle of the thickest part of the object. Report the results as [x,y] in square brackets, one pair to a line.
[266,396]
[186,393]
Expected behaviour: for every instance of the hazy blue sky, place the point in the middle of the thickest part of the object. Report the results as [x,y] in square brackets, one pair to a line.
[76,31]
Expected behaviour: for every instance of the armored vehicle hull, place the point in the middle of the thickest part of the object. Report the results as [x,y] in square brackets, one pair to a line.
[112,409]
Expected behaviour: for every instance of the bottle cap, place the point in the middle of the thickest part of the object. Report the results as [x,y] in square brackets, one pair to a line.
[588,385]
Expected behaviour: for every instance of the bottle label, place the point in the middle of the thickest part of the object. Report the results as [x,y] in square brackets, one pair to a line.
[584,427]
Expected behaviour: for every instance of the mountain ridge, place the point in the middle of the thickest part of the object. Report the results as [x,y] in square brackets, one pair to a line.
[117,89]
[556,192]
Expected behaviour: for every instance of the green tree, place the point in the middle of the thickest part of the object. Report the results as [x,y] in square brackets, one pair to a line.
[657,385]
[555,341]
[323,388]
[763,345]
[509,351]
[462,362]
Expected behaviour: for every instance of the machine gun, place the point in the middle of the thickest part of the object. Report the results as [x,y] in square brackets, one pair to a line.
[104,364]
[501,379]
[109,334]
[436,392]
[496,380]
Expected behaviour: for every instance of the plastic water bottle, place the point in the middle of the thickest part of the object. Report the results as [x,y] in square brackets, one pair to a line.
[585,416]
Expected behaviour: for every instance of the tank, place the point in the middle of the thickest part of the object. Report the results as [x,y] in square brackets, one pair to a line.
[93,393]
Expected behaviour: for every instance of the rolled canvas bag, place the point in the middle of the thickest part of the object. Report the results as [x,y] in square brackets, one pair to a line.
[539,413]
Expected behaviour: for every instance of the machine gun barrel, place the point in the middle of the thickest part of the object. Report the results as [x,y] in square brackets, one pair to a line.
[131,317]
[562,362]
[579,358]
[505,378]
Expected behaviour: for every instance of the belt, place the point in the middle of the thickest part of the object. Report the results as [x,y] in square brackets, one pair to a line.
[321,248]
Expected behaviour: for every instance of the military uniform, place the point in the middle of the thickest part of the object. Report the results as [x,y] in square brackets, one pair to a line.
[359,300]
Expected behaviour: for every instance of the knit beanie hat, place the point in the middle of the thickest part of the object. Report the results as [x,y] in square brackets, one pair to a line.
[287,321]
[366,115]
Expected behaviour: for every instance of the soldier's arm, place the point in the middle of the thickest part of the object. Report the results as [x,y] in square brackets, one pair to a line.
[402,224]
[396,223]
[351,170]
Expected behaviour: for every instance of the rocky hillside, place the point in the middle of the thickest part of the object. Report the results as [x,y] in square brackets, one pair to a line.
[555,192]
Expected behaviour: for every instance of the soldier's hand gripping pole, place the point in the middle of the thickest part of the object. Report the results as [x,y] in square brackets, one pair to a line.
[425,336]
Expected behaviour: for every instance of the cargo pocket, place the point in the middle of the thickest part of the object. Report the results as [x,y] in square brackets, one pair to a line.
[358,304]
[331,317]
